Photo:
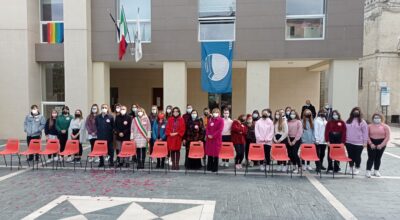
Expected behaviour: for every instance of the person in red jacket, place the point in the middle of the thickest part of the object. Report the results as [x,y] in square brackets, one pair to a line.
[175,131]
[335,133]
[238,136]
[214,139]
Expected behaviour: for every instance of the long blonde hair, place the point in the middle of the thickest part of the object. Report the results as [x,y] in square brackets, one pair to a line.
[280,120]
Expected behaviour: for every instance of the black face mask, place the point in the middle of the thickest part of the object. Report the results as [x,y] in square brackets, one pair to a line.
[322,115]
[77,115]
[206,113]
[356,114]
[264,116]
[65,112]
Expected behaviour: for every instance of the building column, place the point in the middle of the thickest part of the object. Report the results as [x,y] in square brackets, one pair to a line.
[257,85]
[20,84]
[77,54]
[343,85]
[175,84]
[101,83]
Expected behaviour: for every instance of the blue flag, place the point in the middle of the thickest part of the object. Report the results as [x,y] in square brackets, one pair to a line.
[216,67]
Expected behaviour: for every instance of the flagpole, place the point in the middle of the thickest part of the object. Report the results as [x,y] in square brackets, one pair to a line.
[129,36]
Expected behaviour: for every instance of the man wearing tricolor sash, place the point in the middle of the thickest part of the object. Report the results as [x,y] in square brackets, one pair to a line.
[141,133]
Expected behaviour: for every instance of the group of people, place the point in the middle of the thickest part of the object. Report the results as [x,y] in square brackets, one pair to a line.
[284,126]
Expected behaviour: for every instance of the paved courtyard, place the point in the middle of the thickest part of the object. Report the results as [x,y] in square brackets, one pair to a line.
[114,194]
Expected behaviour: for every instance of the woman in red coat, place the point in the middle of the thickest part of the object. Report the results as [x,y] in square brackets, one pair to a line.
[239,132]
[175,130]
[214,139]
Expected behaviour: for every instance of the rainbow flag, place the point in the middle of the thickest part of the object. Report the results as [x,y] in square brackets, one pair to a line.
[55,33]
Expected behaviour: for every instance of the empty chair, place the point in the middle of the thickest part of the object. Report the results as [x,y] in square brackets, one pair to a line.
[227,152]
[52,147]
[33,149]
[160,150]
[308,152]
[279,153]
[100,149]
[128,150]
[338,153]
[11,148]
[196,151]
[256,152]
[71,149]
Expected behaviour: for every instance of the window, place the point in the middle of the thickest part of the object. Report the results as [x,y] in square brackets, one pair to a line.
[51,21]
[131,13]
[305,19]
[221,101]
[53,87]
[217,20]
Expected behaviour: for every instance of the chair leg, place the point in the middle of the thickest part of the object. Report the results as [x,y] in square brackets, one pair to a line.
[345,170]
[11,161]
[272,170]
[333,171]
[41,160]
[19,161]
[87,158]
[150,165]
[291,170]
[234,166]
[4,157]
[29,165]
[205,164]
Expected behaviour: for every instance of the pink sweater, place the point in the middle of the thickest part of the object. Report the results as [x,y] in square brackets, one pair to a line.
[295,129]
[379,131]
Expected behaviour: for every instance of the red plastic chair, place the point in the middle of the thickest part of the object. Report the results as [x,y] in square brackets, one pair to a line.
[71,149]
[308,152]
[52,147]
[338,153]
[256,152]
[160,150]
[128,149]
[12,148]
[100,149]
[33,149]
[227,152]
[196,151]
[279,153]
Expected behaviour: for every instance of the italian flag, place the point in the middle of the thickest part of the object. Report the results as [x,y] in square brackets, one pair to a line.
[122,34]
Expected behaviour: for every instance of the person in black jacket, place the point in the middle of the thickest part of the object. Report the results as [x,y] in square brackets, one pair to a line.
[122,130]
[105,127]
[50,129]
[310,107]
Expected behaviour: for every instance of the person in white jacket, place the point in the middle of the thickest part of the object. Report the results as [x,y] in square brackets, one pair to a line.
[319,133]
[264,130]
[77,131]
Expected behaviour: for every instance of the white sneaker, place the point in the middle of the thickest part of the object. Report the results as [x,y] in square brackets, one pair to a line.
[221,164]
[304,168]
[170,162]
[295,171]
[49,160]
[262,168]
[267,168]
[107,158]
[377,174]
[368,174]
[69,159]
[226,164]
[309,168]
[284,169]
[97,160]
[90,160]
[240,166]
[56,158]
[356,171]
[279,169]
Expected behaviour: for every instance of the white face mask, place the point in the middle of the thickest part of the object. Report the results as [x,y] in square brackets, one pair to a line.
[215,114]
[277,116]
[292,116]
[189,110]
[168,110]
[104,110]
[336,117]
[94,110]
[118,109]
[377,120]
[288,113]
[154,111]
[123,111]
[54,115]
[34,111]
[194,116]
[134,109]
[140,114]
[176,114]
[326,106]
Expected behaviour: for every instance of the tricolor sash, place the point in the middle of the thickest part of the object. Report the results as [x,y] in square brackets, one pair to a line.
[141,129]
